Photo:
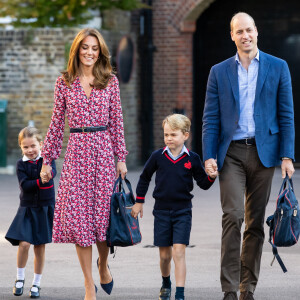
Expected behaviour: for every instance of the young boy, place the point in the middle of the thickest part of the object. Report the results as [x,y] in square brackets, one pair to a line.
[175,168]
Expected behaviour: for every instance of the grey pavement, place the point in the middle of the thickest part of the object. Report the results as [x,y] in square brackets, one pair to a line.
[136,269]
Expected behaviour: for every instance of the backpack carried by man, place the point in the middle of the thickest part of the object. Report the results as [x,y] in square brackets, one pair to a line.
[285,222]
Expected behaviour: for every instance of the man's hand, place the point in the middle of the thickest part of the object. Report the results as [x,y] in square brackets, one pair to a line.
[211,167]
[137,209]
[287,167]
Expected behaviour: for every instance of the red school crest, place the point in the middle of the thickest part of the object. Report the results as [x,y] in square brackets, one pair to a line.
[188,165]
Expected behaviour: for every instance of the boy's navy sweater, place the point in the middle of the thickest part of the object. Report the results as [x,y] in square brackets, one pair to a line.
[33,192]
[173,181]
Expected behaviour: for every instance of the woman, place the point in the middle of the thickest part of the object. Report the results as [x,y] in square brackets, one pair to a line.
[88,93]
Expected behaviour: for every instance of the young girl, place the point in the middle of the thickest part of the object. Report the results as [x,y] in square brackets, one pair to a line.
[33,221]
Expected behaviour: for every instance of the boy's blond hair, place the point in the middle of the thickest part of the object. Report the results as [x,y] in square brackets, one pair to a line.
[29,132]
[178,122]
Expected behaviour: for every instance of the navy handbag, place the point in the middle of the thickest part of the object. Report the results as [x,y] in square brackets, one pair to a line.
[123,229]
[285,222]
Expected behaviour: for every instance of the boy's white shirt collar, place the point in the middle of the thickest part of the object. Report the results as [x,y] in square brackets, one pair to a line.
[25,158]
[183,150]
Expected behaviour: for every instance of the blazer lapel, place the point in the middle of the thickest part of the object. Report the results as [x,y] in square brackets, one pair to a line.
[263,69]
[234,81]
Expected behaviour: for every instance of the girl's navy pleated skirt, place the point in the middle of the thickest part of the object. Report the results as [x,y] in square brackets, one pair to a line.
[32,225]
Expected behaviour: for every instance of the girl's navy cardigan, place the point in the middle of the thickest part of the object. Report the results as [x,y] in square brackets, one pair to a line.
[33,192]
[173,181]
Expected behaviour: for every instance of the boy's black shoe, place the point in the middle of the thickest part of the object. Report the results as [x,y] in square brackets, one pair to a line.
[165,294]
[246,296]
[230,296]
[34,294]
[176,298]
[18,291]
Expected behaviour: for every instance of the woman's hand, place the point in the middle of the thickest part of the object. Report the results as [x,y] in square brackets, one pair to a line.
[121,169]
[46,173]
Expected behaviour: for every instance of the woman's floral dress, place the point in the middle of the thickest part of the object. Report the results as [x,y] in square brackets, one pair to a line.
[83,202]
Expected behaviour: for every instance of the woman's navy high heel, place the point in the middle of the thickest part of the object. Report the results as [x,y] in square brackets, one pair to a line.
[107,287]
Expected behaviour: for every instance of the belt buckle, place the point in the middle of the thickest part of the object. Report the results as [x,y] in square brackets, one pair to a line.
[83,129]
[247,141]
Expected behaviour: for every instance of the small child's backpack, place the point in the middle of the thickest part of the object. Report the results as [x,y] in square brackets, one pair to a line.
[285,222]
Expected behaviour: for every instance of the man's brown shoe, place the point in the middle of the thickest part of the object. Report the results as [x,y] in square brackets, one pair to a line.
[246,296]
[230,296]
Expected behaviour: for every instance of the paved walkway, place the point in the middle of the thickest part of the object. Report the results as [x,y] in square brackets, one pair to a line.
[135,269]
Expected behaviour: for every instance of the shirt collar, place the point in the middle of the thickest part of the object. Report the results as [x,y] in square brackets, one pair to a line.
[25,158]
[183,150]
[237,58]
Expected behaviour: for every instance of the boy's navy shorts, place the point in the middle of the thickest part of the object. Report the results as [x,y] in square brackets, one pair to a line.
[172,227]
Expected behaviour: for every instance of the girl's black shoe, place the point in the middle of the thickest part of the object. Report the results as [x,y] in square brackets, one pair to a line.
[34,294]
[18,291]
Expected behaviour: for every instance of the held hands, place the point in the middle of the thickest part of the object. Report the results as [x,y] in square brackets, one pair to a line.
[46,173]
[121,169]
[137,209]
[287,167]
[211,167]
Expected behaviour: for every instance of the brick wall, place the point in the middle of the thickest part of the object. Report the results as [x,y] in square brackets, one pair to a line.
[30,62]
[173,28]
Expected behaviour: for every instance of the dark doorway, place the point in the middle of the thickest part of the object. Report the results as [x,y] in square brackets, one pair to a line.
[278,27]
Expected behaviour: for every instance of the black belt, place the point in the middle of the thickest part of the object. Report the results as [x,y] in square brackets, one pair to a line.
[248,141]
[88,129]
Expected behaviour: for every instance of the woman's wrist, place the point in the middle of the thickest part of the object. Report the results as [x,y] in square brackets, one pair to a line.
[121,159]
[47,162]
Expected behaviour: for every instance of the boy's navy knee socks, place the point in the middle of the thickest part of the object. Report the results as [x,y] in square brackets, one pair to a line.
[179,292]
[166,283]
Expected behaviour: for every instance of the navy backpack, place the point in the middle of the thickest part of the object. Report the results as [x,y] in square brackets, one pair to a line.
[285,222]
[123,229]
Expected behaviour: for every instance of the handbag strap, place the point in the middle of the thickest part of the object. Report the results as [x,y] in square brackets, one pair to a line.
[121,186]
[129,188]
[118,181]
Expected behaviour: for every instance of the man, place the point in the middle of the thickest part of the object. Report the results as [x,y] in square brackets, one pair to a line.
[248,126]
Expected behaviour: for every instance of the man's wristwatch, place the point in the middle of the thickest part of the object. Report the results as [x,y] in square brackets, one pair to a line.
[284,158]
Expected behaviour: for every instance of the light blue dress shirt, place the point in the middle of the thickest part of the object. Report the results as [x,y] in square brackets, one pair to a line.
[183,150]
[247,87]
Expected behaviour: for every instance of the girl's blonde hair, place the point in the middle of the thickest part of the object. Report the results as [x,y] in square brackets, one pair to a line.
[29,132]
[102,69]
[178,122]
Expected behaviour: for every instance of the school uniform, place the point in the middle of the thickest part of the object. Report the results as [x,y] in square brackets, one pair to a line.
[172,193]
[34,219]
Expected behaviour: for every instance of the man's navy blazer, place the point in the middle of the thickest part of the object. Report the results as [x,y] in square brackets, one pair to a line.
[273,111]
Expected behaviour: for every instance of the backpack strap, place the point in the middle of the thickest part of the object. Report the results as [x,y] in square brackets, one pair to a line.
[290,182]
[270,221]
[283,186]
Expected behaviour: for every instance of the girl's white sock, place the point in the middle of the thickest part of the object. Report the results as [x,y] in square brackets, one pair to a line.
[20,276]
[36,281]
